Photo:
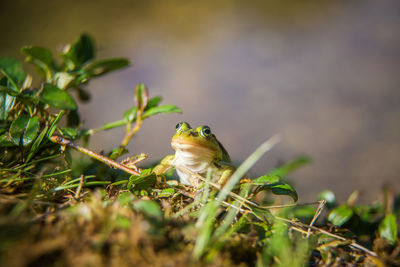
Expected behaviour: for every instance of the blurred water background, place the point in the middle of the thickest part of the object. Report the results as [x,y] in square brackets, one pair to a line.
[323,74]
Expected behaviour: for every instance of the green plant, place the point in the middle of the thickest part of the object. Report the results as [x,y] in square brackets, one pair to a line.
[31,113]
[51,214]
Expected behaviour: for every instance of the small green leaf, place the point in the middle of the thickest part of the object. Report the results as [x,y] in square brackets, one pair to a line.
[149,208]
[274,183]
[114,124]
[164,109]
[31,130]
[340,215]
[57,98]
[143,181]
[36,144]
[141,96]
[329,196]
[117,152]
[53,125]
[6,141]
[103,66]
[12,69]
[284,189]
[388,228]
[69,132]
[41,57]
[24,129]
[153,102]
[167,192]
[17,128]
[265,179]
[130,114]
[79,52]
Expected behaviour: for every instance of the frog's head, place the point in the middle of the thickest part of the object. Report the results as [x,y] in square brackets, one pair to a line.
[199,142]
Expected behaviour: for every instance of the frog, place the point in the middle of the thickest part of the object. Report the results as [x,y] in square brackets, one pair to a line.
[198,150]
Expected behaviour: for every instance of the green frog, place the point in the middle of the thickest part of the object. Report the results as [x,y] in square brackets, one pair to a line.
[198,150]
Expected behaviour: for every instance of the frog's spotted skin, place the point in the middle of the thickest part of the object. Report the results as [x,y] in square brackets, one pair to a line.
[197,150]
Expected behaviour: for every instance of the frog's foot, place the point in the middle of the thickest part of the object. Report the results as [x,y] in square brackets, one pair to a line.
[245,180]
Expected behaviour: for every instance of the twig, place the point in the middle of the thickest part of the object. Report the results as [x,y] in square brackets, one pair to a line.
[61,141]
[131,133]
[352,243]
[81,182]
[316,215]
[217,186]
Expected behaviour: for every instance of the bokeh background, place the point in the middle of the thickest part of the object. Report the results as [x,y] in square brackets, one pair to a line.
[323,74]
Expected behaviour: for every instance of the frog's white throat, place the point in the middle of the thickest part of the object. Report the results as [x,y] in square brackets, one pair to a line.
[195,158]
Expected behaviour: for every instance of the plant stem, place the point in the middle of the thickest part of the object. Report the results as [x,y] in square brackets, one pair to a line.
[132,132]
[110,162]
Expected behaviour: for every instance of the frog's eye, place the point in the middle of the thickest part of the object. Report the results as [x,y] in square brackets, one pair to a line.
[178,126]
[205,131]
[182,126]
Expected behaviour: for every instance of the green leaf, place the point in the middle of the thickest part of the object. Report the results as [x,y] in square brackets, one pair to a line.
[24,129]
[368,213]
[167,192]
[7,103]
[31,130]
[388,228]
[329,196]
[69,132]
[140,182]
[36,144]
[164,109]
[41,57]
[130,114]
[102,66]
[149,208]
[79,52]
[12,69]
[53,125]
[17,128]
[114,124]
[284,189]
[153,102]
[57,98]
[274,183]
[340,215]
[117,152]
[290,166]
[265,179]
[141,96]
[6,141]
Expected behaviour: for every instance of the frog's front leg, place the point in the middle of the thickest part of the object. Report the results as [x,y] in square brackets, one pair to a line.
[164,165]
[226,174]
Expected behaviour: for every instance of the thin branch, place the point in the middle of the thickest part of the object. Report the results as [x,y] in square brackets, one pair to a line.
[61,141]
[316,215]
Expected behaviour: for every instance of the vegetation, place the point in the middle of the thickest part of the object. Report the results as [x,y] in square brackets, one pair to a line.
[63,208]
